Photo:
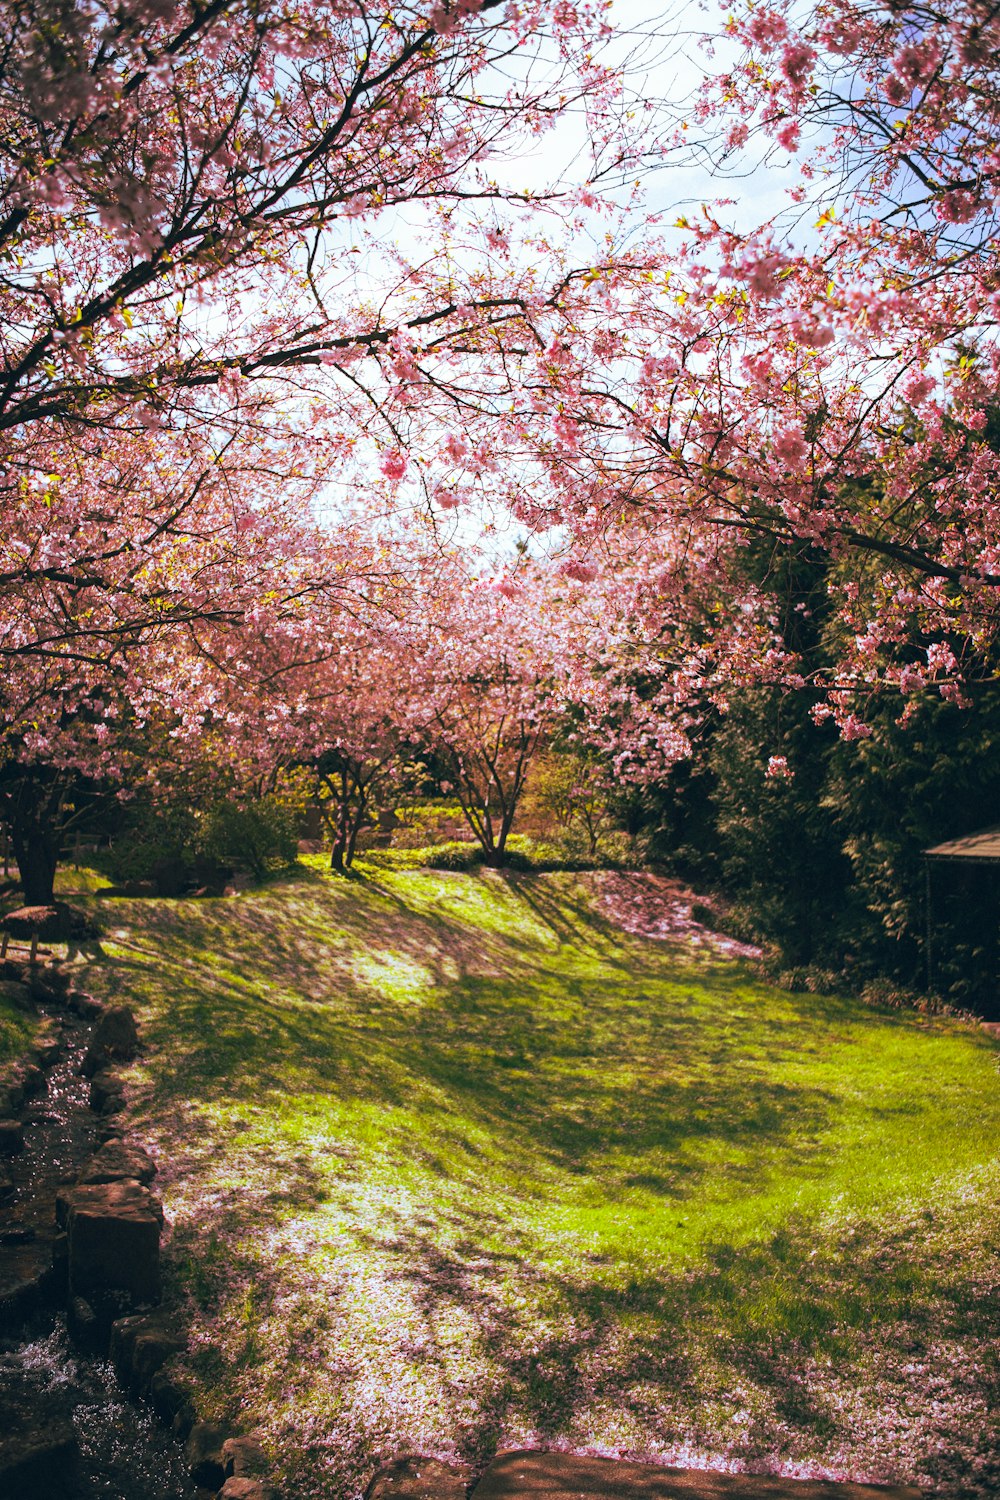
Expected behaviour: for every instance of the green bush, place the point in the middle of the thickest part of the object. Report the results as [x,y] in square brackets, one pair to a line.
[176,845]
[257,836]
[454,856]
[155,838]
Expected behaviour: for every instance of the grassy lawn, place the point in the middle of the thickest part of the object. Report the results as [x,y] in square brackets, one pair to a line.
[453,1163]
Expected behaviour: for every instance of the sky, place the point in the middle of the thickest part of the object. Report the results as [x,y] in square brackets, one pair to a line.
[663,63]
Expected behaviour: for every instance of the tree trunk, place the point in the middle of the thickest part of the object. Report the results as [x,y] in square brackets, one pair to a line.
[34,805]
[36,849]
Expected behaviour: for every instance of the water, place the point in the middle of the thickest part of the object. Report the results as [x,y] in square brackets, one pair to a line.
[124,1452]
[47,1387]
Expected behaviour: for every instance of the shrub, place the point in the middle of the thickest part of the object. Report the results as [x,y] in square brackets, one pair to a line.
[176,845]
[257,836]
[454,856]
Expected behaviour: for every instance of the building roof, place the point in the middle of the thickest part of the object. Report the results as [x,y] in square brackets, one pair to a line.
[984,845]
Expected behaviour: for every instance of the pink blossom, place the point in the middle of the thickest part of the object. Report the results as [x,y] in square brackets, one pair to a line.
[393,464]
[768,28]
[788,135]
[853,728]
[778,768]
[843,36]
[796,63]
[918,389]
[790,448]
[957,207]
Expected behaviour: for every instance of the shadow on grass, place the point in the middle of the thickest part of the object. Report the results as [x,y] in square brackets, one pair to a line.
[568,1053]
[501,1050]
[768,1319]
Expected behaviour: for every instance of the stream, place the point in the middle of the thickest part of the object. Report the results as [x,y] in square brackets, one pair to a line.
[101,1443]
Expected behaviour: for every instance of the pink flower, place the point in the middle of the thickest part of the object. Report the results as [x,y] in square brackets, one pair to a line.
[456,448]
[790,448]
[957,207]
[768,29]
[393,464]
[778,768]
[842,36]
[853,728]
[580,572]
[916,62]
[919,389]
[788,135]
[796,63]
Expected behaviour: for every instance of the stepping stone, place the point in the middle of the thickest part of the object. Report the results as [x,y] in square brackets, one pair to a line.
[417,1478]
[114,1239]
[38,1447]
[562,1476]
[115,1039]
[116,1162]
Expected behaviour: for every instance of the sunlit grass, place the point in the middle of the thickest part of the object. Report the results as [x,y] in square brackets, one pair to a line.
[16,1031]
[453,1162]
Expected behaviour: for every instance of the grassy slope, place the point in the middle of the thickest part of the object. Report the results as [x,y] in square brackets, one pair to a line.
[17,1031]
[452,1162]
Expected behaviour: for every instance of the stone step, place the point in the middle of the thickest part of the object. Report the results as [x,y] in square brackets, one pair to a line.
[563,1476]
[529,1473]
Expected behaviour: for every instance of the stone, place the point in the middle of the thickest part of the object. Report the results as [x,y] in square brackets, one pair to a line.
[115,1039]
[244,1489]
[117,1162]
[184,1419]
[416,1478]
[203,1453]
[49,981]
[18,1234]
[84,1005]
[566,1476]
[141,1346]
[114,1239]
[47,1052]
[16,994]
[33,1080]
[244,1457]
[153,1348]
[11,1098]
[168,1396]
[83,1323]
[11,1137]
[60,1258]
[51,924]
[107,1093]
[38,1448]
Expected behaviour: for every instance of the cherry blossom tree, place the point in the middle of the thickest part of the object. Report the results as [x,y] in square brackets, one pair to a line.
[194,205]
[342,710]
[834,389]
[202,326]
[114,679]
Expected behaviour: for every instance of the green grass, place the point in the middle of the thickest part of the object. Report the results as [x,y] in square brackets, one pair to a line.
[17,1031]
[452,1162]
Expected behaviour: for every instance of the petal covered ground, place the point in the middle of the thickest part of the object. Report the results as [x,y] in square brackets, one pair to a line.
[455,1163]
